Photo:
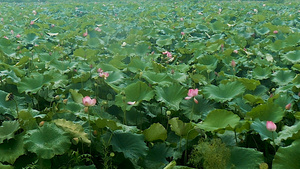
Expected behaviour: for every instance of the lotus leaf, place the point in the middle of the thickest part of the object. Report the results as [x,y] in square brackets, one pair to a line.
[260,127]
[11,150]
[288,132]
[130,144]
[33,83]
[223,92]
[155,132]
[287,157]
[8,129]
[183,129]
[47,141]
[267,112]
[283,77]
[171,95]
[245,158]
[74,129]
[156,157]
[292,56]
[219,119]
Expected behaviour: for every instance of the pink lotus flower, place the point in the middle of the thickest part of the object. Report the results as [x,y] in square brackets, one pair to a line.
[18,36]
[288,106]
[182,33]
[275,32]
[98,29]
[192,94]
[104,75]
[181,19]
[271,126]
[87,101]
[12,32]
[34,12]
[31,22]
[236,51]
[52,25]
[169,55]
[5,37]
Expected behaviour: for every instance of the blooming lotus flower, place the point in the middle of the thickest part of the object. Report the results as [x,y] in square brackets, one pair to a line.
[87,101]
[85,34]
[169,55]
[182,33]
[236,51]
[5,37]
[31,22]
[275,32]
[271,126]
[192,94]
[104,74]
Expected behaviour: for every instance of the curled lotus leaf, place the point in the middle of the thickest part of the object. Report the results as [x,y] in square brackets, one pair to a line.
[47,141]
[74,129]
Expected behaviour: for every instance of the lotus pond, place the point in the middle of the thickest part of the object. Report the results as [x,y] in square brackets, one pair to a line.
[150,84]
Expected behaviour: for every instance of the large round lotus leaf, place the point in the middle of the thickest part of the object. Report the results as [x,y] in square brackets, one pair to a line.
[194,111]
[155,132]
[267,112]
[33,83]
[250,84]
[11,150]
[293,56]
[47,141]
[219,119]
[261,73]
[131,145]
[223,92]
[283,77]
[136,65]
[138,91]
[288,132]
[261,129]
[288,157]
[164,40]
[171,95]
[74,129]
[153,78]
[245,158]
[8,129]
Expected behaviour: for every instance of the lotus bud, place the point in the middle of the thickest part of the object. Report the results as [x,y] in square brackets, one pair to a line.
[41,123]
[182,33]
[271,126]
[288,106]
[233,64]
[65,101]
[57,97]
[275,32]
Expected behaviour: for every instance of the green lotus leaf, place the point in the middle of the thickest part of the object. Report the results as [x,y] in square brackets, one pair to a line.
[224,92]
[156,157]
[138,91]
[250,84]
[261,73]
[153,78]
[292,39]
[261,129]
[288,132]
[267,112]
[31,38]
[33,83]
[8,107]
[81,77]
[245,158]
[171,95]
[2,166]
[137,65]
[292,56]
[263,31]
[47,141]
[164,40]
[155,132]
[74,129]
[183,129]
[142,48]
[11,150]
[95,43]
[202,28]
[296,81]
[27,120]
[283,77]
[198,111]
[287,157]
[77,97]
[85,167]
[219,119]
[8,129]
[210,62]
[130,144]
[218,26]
[253,99]
[276,46]
[102,123]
